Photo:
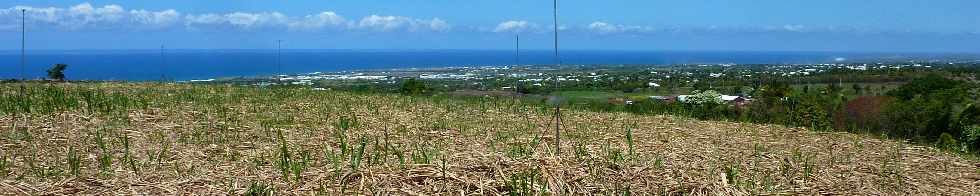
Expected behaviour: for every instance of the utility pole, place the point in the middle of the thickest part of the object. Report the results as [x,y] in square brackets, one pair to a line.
[557,84]
[279,61]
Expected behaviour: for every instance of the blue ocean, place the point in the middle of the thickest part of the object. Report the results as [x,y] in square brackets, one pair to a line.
[136,65]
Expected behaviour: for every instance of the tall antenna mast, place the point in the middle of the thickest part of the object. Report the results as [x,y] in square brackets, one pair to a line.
[279,61]
[557,84]
[517,59]
[517,49]
[163,63]
[23,43]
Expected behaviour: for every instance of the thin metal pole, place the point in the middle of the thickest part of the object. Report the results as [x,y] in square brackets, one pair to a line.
[557,84]
[517,59]
[163,63]
[279,61]
[23,43]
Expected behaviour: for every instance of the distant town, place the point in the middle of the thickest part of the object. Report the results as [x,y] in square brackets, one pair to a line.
[541,75]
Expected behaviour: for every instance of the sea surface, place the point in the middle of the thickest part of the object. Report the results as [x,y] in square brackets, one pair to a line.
[136,65]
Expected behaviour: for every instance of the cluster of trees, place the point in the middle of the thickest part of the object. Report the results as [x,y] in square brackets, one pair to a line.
[933,109]
[930,110]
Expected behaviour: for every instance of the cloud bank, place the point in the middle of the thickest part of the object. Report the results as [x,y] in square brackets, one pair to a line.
[391,23]
[85,16]
[112,17]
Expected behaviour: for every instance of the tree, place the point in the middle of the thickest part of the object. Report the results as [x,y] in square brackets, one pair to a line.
[413,87]
[919,118]
[970,115]
[773,92]
[57,72]
[925,108]
[702,85]
[946,142]
[810,114]
[704,104]
[705,97]
[833,88]
[862,113]
[968,121]
[971,138]
[746,91]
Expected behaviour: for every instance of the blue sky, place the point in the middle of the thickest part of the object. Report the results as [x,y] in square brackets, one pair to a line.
[738,25]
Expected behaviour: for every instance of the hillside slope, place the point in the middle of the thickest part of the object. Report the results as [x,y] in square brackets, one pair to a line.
[111,138]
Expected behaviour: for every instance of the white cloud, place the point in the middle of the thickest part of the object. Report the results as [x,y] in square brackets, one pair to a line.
[795,28]
[392,23]
[319,21]
[240,20]
[514,26]
[603,27]
[155,19]
[607,28]
[204,19]
[437,24]
[85,16]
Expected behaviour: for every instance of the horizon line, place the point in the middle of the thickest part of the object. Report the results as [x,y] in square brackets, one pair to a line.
[499,49]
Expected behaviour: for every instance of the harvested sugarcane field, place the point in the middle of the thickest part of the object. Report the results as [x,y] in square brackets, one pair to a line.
[489,97]
[178,139]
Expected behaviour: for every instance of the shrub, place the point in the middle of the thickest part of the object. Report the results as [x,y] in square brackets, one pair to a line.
[704,103]
[413,87]
[946,142]
[772,92]
[704,98]
[258,189]
[810,114]
[969,116]
[57,72]
[971,138]
[919,118]
[862,113]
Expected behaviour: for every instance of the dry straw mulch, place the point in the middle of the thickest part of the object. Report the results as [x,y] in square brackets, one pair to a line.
[430,146]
